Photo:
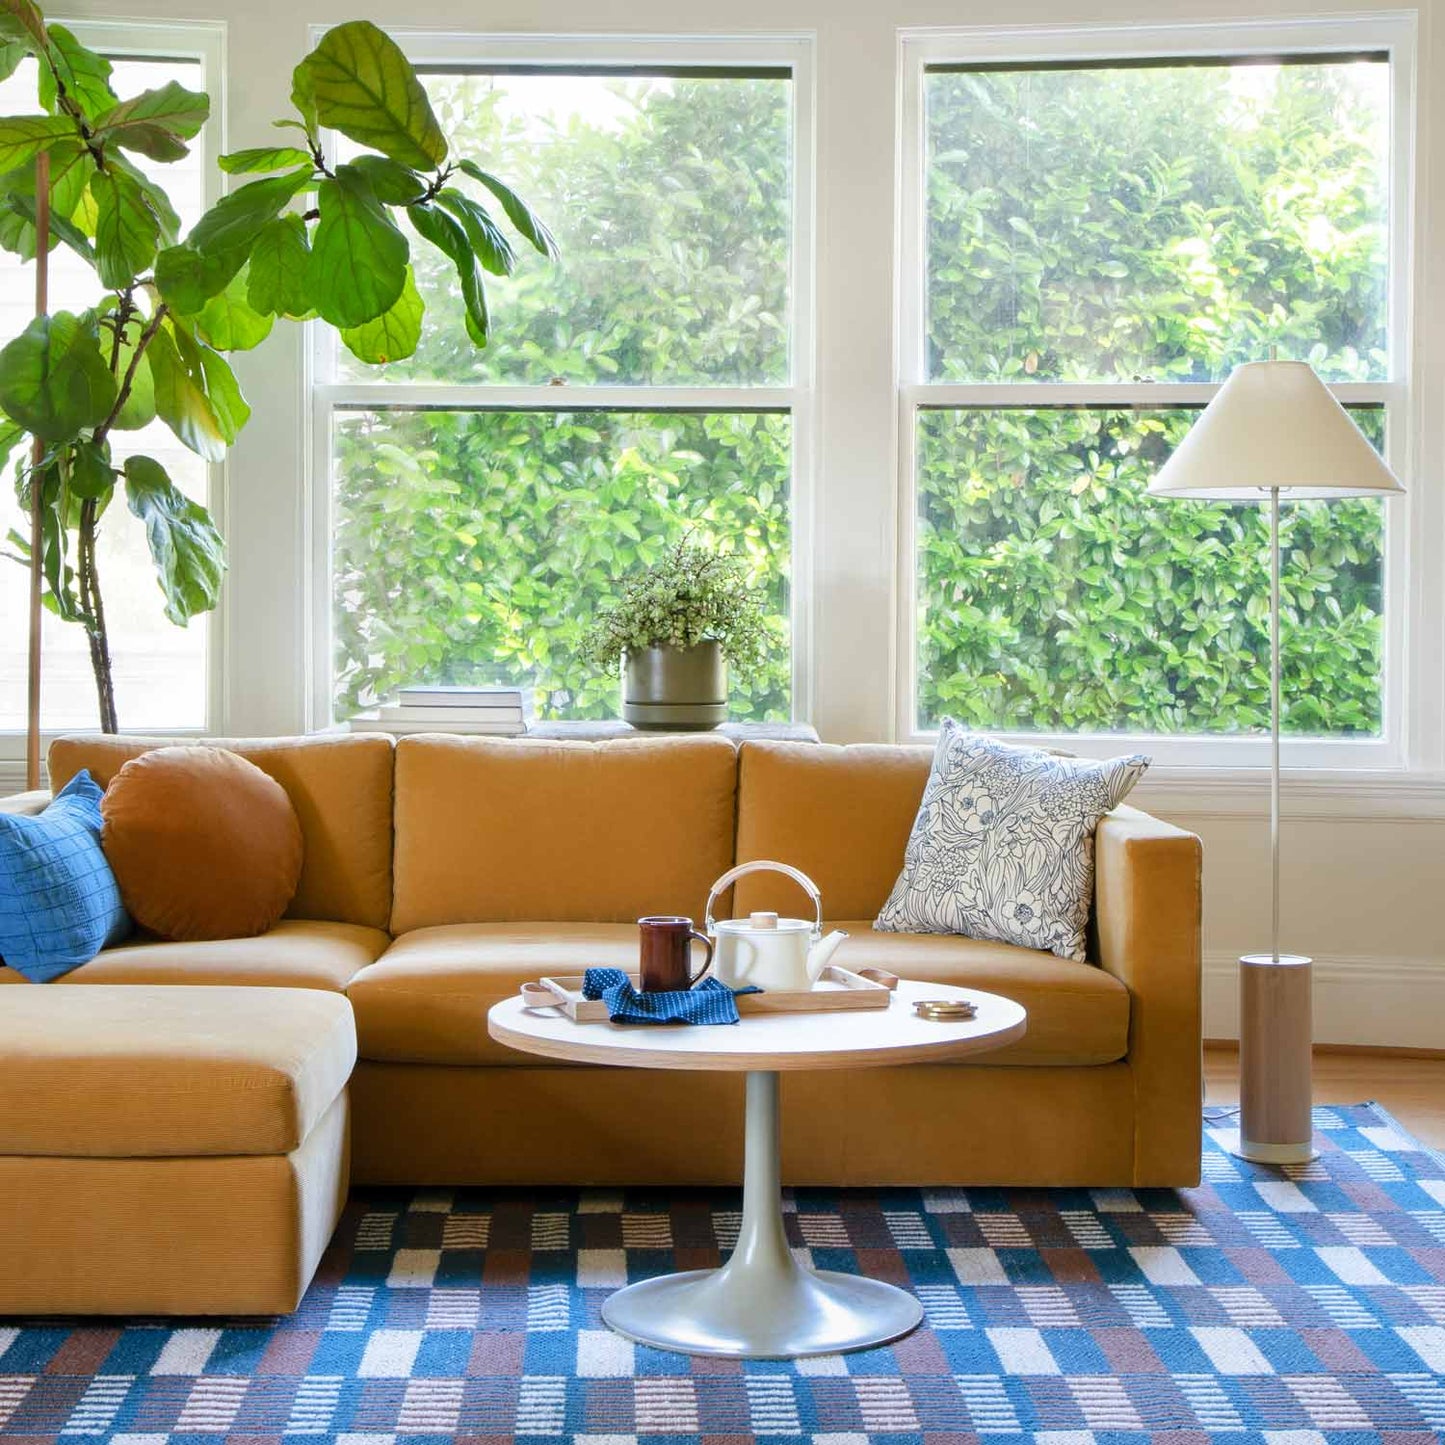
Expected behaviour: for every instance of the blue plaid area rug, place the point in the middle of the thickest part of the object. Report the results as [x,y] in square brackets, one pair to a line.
[1303,1306]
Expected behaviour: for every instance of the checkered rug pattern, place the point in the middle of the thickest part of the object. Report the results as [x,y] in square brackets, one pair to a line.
[1297,1306]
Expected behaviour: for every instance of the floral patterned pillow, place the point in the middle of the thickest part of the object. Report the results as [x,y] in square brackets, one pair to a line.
[1003,845]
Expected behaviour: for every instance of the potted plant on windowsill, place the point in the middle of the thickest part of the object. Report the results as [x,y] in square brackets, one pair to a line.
[674,630]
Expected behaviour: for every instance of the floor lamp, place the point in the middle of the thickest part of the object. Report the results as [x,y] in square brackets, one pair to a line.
[1273,427]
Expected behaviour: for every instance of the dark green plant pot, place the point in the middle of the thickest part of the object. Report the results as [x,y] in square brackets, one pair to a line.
[675,689]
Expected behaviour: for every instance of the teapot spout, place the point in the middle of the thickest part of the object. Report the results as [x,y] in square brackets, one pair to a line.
[821,953]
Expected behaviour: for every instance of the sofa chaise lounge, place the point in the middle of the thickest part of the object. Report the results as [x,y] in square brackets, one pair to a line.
[441,872]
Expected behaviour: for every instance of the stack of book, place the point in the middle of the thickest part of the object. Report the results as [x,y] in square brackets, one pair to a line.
[493,711]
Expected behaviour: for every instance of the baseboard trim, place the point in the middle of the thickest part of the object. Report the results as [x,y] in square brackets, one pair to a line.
[1387,1003]
[1349,1051]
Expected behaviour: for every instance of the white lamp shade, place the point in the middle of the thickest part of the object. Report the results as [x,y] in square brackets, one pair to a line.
[1274,424]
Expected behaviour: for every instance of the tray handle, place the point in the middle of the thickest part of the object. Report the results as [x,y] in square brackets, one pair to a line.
[856,977]
[545,994]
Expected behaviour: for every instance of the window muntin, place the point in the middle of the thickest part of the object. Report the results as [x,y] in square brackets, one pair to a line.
[161,671]
[651,384]
[1041,346]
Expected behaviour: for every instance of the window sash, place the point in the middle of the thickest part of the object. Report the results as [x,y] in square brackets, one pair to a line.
[743,56]
[203,41]
[1082,45]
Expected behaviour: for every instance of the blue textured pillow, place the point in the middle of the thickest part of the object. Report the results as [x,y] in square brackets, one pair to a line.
[59,904]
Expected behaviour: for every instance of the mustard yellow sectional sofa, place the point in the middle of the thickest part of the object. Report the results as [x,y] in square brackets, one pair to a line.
[441,872]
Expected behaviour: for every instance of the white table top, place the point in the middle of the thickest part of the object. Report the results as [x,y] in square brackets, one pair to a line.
[895,1035]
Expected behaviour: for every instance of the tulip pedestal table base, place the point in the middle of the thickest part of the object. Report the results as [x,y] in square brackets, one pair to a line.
[763,1304]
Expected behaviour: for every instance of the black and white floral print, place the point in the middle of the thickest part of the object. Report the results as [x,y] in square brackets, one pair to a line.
[1003,845]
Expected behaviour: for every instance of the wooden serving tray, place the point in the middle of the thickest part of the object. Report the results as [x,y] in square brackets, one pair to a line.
[836,989]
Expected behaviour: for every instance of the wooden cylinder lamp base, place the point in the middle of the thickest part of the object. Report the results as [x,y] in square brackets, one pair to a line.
[1275,1038]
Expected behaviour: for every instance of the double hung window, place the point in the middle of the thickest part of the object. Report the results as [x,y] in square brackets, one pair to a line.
[475,508]
[164,678]
[1094,236]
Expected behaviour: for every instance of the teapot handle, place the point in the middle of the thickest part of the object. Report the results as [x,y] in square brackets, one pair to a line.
[763,865]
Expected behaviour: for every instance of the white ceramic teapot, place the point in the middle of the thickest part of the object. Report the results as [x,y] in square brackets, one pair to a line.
[764,950]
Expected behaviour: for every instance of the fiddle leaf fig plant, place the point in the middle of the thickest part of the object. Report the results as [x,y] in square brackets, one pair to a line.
[302,236]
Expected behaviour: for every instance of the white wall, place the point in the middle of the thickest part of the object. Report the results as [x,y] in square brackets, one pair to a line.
[1363,877]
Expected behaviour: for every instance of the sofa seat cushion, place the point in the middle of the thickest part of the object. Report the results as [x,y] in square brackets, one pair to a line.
[294,954]
[426,1000]
[135,1071]
[1078,1014]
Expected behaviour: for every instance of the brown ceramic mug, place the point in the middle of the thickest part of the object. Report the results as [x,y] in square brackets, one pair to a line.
[667,953]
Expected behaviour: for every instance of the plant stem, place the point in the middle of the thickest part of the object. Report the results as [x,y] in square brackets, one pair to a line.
[128,380]
[88,579]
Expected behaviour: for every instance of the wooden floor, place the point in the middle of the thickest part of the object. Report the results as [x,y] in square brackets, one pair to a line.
[1412,1089]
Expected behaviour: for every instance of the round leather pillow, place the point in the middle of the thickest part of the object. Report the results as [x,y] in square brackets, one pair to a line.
[202,843]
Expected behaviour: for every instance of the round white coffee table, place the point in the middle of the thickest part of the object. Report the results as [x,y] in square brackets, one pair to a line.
[763,1304]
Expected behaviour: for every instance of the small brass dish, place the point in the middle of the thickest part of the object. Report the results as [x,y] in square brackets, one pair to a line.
[945,1009]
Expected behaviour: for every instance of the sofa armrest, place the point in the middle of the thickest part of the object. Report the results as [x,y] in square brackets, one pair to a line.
[1147,911]
[26,803]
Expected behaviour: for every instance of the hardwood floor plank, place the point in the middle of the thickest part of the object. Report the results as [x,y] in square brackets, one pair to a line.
[1410,1087]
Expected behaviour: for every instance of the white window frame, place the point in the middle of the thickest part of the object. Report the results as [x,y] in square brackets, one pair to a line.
[795,397]
[1390,33]
[203,41]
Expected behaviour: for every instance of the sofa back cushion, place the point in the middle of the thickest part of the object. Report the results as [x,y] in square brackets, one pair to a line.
[841,814]
[493,830]
[340,788]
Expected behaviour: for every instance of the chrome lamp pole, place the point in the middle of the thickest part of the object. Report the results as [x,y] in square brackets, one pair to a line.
[1274,427]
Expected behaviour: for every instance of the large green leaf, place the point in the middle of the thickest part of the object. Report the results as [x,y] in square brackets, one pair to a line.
[450,239]
[264,159]
[358,257]
[54,380]
[183,399]
[303,97]
[189,555]
[156,197]
[11,435]
[219,244]
[519,213]
[393,183]
[393,335]
[361,84]
[139,407]
[56,514]
[277,278]
[91,475]
[229,322]
[156,122]
[187,279]
[70,170]
[12,52]
[127,231]
[23,137]
[223,391]
[234,222]
[84,75]
[71,167]
[21,23]
[489,245]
